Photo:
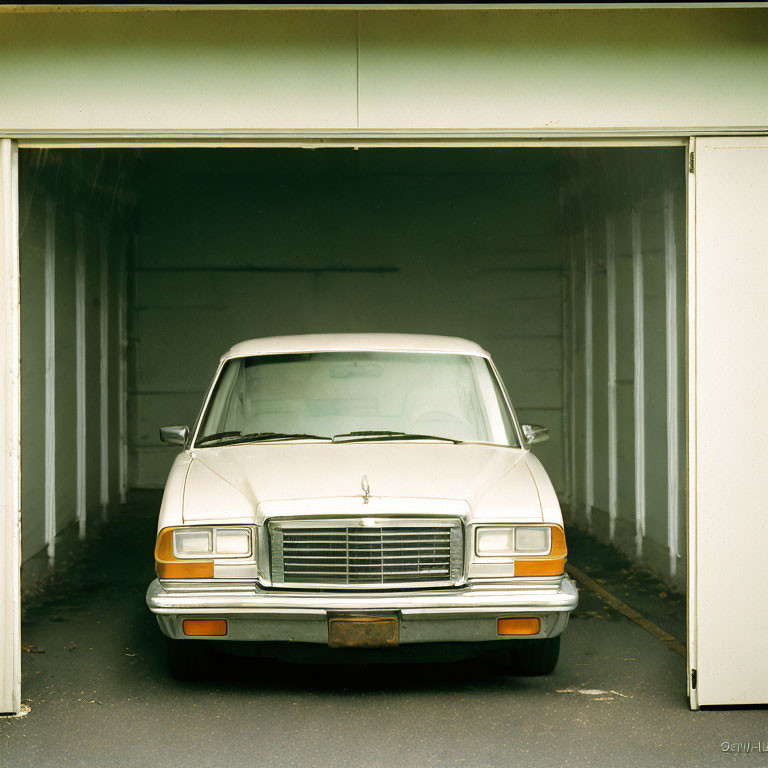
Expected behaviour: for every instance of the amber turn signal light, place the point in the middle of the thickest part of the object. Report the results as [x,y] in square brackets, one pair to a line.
[519,626]
[168,566]
[540,567]
[551,565]
[207,627]
[180,570]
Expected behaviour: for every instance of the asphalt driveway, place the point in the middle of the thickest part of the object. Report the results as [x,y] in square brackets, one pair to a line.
[94,677]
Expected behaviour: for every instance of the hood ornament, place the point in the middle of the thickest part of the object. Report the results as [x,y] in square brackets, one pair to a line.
[366,489]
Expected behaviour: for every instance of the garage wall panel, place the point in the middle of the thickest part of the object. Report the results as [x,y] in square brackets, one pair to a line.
[654,275]
[625,520]
[532,388]
[92,244]
[627,193]
[118,239]
[542,353]
[625,379]
[61,192]
[32,289]
[577,412]
[524,317]
[65,427]
[146,71]
[560,69]
[600,380]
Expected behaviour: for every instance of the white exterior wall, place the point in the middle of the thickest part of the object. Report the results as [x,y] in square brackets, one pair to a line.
[543,71]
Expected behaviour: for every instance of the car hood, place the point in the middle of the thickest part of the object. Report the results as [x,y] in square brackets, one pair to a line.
[250,482]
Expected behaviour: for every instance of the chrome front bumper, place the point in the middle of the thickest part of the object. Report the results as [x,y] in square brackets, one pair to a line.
[468,614]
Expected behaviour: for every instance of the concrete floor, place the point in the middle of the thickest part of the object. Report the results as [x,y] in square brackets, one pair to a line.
[94,677]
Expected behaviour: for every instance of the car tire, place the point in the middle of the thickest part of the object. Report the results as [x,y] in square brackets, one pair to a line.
[187,659]
[530,658]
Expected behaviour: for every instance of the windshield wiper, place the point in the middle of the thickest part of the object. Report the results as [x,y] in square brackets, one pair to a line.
[374,435]
[216,436]
[258,437]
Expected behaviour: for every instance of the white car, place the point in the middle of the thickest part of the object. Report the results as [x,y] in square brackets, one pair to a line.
[360,490]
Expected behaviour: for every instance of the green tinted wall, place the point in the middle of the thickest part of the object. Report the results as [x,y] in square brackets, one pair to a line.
[236,244]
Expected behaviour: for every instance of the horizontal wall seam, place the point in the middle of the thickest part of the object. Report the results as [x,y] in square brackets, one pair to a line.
[290,270]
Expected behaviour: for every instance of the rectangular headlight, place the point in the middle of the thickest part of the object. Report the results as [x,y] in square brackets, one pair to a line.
[209,542]
[495,541]
[193,542]
[233,541]
[532,539]
[505,541]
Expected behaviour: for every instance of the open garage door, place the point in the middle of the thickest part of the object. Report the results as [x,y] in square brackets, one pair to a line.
[566,263]
[728,364]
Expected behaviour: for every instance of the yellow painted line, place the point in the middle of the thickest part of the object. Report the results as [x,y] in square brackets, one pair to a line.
[619,605]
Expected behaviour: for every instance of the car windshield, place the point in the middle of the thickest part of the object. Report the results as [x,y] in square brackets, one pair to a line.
[353,396]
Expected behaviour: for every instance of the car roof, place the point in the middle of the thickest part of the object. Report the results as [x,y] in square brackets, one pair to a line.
[355,342]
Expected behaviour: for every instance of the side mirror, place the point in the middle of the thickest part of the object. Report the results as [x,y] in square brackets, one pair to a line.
[535,433]
[174,435]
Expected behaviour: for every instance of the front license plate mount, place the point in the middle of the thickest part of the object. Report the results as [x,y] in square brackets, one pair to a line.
[363,631]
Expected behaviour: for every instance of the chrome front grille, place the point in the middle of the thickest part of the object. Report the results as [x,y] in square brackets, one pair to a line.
[366,553]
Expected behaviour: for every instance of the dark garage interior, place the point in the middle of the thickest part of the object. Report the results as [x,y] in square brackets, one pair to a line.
[140,267]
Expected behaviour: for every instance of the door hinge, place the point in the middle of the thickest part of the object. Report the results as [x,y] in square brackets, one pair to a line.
[693,679]
[692,162]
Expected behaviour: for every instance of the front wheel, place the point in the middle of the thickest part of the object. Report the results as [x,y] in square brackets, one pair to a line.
[530,658]
[187,659]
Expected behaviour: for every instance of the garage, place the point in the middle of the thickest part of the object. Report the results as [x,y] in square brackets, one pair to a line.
[531,252]
[566,264]
[572,248]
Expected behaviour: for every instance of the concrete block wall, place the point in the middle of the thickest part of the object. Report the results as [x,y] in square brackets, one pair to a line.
[74,205]
[624,239]
[236,244]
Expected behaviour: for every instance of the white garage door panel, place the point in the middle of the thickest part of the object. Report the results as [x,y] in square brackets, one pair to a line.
[730,322]
[10,429]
